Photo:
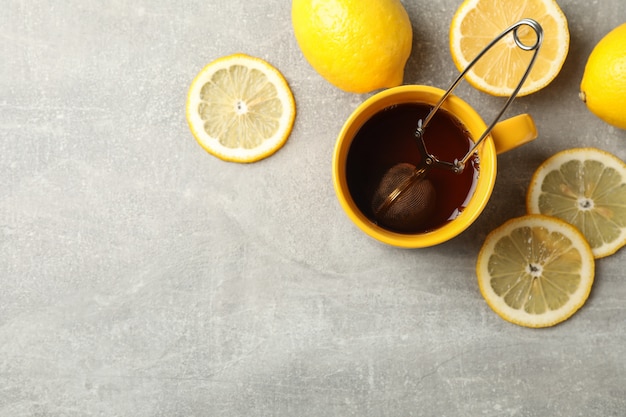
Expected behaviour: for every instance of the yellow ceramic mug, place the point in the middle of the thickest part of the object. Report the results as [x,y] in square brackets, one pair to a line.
[505,135]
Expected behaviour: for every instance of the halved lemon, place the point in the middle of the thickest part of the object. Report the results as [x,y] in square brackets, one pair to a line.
[240,108]
[586,187]
[478,22]
[535,270]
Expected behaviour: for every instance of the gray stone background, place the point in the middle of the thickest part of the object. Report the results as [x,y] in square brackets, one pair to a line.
[140,276]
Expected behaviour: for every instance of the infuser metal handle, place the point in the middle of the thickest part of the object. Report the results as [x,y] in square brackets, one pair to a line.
[459,165]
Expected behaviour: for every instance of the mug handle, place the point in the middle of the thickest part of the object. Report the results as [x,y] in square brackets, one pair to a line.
[513,132]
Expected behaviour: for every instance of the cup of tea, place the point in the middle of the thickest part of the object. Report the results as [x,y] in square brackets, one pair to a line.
[380,134]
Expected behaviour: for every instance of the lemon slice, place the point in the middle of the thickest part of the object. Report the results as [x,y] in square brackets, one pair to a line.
[240,108]
[478,22]
[586,187]
[535,270]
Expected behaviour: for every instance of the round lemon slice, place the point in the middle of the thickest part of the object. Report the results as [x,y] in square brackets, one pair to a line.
[240,108]
[478,22]
[586,187]
[535,270]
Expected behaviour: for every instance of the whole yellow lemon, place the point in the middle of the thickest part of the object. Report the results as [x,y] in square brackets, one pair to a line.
[603,87]
[358,46]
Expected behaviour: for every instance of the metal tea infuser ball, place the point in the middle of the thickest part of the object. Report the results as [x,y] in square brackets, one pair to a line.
[405,197]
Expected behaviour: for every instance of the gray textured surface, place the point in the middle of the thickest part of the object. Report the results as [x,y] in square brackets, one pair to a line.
[140,276]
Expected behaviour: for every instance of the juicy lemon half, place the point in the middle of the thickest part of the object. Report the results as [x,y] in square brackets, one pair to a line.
[478,22]
[586,187]
[240,108]
[535,270]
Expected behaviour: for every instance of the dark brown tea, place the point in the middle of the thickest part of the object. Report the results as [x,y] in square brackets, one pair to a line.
[388,138]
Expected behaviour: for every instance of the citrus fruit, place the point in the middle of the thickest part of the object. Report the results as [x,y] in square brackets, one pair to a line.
[535,270]
[603,86]
[586,187]
[358,46]
[498,72]
[240,108]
